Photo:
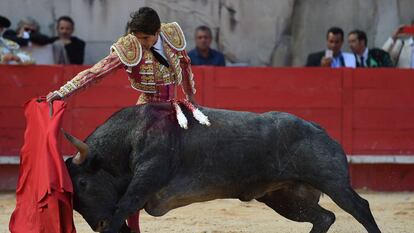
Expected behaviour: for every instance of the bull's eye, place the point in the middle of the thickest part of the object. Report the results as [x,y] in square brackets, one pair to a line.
[82,183]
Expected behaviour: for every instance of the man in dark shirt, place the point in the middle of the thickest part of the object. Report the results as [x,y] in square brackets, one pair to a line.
[364,56]
[202,54]
[75,47]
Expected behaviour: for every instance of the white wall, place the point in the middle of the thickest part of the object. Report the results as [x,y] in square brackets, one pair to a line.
[259,32]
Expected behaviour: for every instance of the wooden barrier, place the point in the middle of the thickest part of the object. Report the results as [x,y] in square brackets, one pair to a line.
[369,111]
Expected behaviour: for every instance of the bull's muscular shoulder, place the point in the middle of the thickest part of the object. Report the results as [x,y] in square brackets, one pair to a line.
[173,35]
[128,49]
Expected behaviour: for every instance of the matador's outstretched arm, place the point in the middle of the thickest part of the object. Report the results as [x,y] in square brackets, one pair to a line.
[87,77]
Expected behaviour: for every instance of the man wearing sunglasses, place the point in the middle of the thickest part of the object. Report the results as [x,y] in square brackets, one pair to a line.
[27,33]
[10,52]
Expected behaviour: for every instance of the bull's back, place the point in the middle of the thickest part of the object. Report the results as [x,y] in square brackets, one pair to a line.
[240,145]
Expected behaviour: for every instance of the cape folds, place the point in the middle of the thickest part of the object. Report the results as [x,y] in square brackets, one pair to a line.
[44,188]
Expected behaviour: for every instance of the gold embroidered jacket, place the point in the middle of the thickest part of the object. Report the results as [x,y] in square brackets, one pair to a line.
[145,73]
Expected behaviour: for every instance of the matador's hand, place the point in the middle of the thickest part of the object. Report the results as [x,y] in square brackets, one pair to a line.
[52,96]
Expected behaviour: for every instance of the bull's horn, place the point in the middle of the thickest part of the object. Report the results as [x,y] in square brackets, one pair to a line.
[81,146]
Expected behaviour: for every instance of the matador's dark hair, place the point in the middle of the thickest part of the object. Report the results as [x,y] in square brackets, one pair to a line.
[145,20]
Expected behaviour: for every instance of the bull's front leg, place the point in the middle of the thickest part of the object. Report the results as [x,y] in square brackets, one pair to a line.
[149,177]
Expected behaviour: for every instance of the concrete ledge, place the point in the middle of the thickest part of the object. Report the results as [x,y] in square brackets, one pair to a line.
[15,159]
[352,159]
[381,159]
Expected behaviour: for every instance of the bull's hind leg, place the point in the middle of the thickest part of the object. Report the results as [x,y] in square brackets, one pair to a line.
[299,202]
[333,180]
[346,198]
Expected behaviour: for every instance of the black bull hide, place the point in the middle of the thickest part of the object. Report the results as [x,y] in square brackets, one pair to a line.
[141,159]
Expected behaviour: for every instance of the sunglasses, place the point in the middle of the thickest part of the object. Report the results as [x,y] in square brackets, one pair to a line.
[28,30]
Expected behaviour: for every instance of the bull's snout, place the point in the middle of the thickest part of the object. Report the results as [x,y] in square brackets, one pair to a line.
[102,225]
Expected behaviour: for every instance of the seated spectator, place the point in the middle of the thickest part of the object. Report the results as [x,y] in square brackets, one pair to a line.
[28,36]
[74,47]
[9,50]
[202,54]
[400,46]
[27,32]
[332,56]
[365,57]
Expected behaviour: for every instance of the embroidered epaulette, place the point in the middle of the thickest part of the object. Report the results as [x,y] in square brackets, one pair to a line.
[128,49]
[174,36]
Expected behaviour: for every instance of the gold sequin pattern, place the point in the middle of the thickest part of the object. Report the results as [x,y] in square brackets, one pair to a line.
[128,49]
[174,35]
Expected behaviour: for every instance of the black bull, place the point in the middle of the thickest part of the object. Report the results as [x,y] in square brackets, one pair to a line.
[141,159]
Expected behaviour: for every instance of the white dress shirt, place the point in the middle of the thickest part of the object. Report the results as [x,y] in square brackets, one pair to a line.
[401,51]
[159,48]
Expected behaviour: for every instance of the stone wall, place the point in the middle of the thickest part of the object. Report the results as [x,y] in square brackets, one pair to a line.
[256,33]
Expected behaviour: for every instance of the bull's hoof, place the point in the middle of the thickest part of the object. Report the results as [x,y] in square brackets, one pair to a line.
[125,229]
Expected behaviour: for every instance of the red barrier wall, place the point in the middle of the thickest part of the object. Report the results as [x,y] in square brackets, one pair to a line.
[369,111]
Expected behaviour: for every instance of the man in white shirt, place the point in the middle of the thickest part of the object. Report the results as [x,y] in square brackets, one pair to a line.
[333,56]
[400,46]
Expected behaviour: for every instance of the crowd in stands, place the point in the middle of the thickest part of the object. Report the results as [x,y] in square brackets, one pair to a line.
[398,50]
[26,45]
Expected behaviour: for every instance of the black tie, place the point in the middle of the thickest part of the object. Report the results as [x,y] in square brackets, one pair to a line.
[159,57]
[362,61]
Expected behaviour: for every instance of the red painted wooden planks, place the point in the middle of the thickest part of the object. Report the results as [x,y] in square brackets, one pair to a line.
[384,177]
[369,111]
[384,118]
[383,142]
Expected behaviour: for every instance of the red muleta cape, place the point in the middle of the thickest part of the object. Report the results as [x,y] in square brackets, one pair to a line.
[44,188]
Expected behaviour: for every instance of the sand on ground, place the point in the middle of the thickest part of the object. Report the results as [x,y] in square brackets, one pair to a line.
[394,213]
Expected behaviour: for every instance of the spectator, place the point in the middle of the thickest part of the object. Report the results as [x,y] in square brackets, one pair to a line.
[202,54]
[27,32]
[33,42]
[365,57]
[333,56]
[400,46]
[9,50]
[75,47]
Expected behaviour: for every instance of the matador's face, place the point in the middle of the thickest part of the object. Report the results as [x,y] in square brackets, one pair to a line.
[147,40]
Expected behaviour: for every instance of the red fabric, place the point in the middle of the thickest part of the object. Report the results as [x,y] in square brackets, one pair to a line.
[133,222]
[44,188]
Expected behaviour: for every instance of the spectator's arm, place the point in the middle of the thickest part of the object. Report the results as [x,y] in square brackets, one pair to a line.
[40,39]
[187,74]
[393,47]
[12,35]
[90,76]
